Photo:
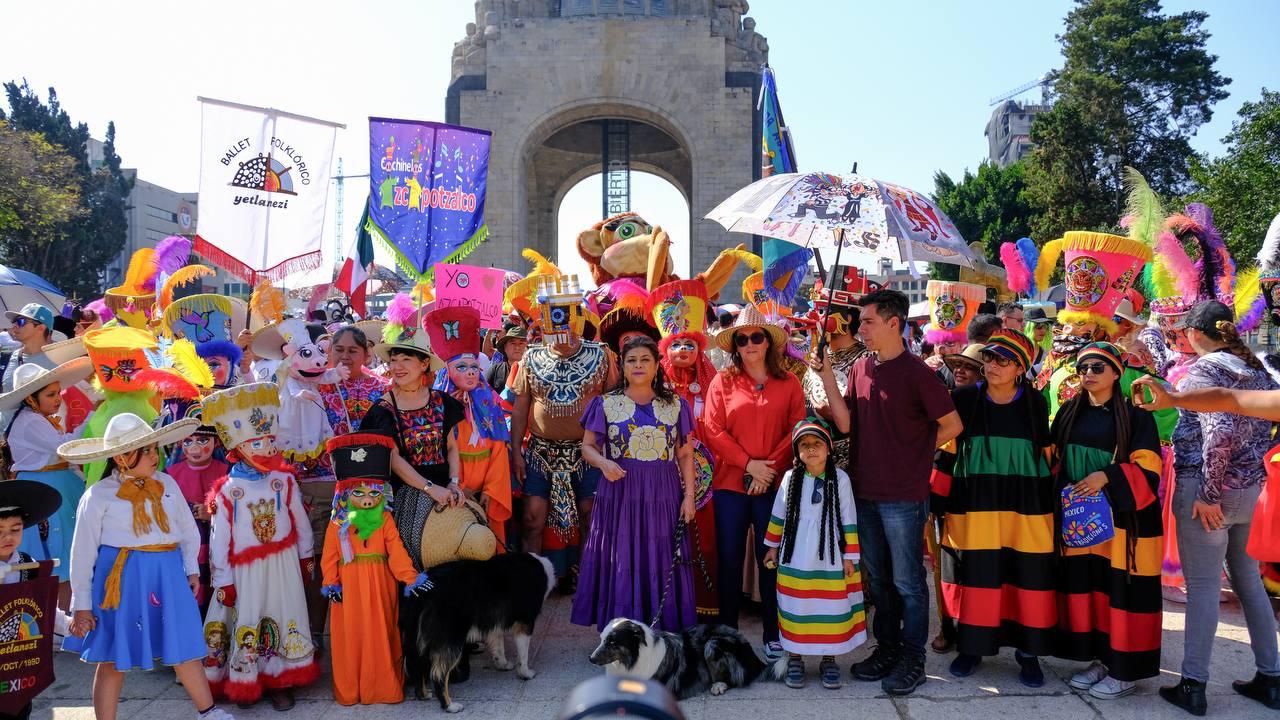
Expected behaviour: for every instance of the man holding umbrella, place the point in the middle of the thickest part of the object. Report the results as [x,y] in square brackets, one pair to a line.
[32,326]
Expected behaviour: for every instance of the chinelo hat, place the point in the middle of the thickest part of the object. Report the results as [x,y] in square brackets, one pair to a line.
[125,432]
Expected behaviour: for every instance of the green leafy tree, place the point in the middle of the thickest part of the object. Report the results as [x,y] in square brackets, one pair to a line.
[1243,186]
[39,192]
[988,207]
[1134,87]
[72,253]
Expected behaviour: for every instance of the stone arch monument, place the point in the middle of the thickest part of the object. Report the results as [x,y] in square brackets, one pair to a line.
[554,80]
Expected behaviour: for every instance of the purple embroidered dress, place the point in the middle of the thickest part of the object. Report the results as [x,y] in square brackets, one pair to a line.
[627,557]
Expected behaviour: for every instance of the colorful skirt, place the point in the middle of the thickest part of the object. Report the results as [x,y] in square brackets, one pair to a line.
[51,540]
[156,621]
[627,560]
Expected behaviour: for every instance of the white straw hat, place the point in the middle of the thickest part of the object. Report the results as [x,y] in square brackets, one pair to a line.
[125,432]
[29,378]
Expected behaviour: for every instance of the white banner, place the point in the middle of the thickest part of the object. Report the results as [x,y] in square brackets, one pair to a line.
[264,182]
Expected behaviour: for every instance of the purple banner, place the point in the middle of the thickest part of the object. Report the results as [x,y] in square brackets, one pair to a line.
[427,184]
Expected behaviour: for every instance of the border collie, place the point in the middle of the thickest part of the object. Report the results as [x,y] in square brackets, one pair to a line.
[472,601]
[702,657]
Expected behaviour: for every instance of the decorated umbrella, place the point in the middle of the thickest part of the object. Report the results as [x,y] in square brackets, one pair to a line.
[19,287]
[848,212]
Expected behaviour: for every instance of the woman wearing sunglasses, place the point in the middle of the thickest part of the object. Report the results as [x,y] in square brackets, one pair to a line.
[752,405]
[1103,444]
[998,560]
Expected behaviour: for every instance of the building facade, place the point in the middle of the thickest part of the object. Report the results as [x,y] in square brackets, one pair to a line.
[1009,131]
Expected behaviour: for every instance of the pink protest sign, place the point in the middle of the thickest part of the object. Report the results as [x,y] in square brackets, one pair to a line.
[480,288]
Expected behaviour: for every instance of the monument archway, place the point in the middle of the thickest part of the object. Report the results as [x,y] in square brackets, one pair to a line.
[546,76]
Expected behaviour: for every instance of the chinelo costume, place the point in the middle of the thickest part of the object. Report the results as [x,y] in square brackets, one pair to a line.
[135,545]
[256,630]
[363,558]
[952,306]
[483,436]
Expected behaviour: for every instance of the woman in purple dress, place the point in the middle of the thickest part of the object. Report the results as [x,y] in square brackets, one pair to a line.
[638,436]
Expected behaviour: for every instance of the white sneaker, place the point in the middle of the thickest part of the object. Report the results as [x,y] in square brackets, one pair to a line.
[1110,688]
[1088,677]
[216,713]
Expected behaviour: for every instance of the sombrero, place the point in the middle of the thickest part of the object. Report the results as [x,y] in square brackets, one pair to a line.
[33,500]
[456,533]
[751,318]
[64,351]
[125,432]
[29,378]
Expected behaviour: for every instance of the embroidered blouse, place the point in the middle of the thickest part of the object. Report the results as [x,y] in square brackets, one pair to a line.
[346,403]
[102,518]
[421,434]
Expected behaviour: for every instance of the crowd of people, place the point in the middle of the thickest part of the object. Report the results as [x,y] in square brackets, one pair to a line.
[221,482]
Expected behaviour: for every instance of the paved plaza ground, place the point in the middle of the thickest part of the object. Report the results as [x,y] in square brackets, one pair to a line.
[560,650]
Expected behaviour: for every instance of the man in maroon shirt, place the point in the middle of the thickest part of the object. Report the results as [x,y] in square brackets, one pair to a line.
[898,413]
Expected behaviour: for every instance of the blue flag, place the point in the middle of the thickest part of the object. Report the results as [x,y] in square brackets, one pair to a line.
[775,141]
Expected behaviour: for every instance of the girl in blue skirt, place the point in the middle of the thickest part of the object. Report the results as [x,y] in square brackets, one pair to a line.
[134,568]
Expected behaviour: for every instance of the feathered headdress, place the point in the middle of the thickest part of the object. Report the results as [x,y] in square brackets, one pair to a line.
[268,303]
[170,255]
[181,277]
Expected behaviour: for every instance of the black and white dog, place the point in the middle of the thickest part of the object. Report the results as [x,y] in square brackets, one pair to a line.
[472,601]
[714,657]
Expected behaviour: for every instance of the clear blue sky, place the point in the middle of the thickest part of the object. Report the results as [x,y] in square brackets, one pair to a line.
[899,87]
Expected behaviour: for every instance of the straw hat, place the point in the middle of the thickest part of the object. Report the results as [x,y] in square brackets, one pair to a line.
[372,328]
[456,533]
[67,350]
[409,339]
[29,378]
[749,319]
[971,356]
[125,432]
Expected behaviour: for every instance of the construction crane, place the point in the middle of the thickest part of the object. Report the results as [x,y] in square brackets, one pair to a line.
[1040,83]
[339,212]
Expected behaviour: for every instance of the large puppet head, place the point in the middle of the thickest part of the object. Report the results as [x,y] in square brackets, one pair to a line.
[561,309]
[362,464]
[211,322]
[245,417]
[626,245]
[303,348]
[840,302]
[679,312]
[455,338]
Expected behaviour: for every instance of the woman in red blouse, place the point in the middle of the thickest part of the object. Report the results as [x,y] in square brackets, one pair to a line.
[751,407]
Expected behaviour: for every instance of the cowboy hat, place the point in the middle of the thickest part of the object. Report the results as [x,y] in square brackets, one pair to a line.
[971,356]
[29,378]
[33,500]
[751,318]
[125,432]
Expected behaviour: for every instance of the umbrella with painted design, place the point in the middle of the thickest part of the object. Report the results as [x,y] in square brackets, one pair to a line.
[848,212]
[19,287]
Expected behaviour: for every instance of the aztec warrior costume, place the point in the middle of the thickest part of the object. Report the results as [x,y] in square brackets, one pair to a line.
[333,492]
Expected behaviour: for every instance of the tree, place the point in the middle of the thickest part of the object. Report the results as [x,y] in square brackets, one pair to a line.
[1243,186]
[39,192]
[1134,87]
[72,253]
[988,207]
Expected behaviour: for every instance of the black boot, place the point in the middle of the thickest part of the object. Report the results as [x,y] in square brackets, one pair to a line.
[1263,688]
[1188,695]
[878,665]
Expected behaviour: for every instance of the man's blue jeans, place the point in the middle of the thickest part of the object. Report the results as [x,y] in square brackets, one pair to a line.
[892,538]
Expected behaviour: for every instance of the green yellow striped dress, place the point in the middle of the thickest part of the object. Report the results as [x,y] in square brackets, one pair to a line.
[820,611]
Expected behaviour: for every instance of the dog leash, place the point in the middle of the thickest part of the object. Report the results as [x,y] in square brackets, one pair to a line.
[677,558]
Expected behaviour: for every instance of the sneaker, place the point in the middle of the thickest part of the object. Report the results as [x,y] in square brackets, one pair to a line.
[1263,688]
[878,665]
[1188,695]
[830,673]
[1109,688]
[964,665]
[907,675]
[1088,677]
[216,713]
[772,650]
[1029,672]
[795,672]
[1173,594]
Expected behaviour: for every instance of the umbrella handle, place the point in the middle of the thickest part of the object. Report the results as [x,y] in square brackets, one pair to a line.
[831,281]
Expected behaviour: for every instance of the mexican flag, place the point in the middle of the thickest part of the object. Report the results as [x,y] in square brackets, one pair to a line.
[355,271]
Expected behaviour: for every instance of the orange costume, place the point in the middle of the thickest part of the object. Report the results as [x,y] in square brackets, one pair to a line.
[363,560]
[486,469]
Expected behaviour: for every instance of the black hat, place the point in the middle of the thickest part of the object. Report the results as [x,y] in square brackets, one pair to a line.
[32,500]
[363,455]
[1036,315]
[1205,317]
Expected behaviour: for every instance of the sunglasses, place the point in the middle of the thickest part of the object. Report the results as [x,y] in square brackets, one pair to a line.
[755,338]
[1092,368]
[23,321]
[997,360]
